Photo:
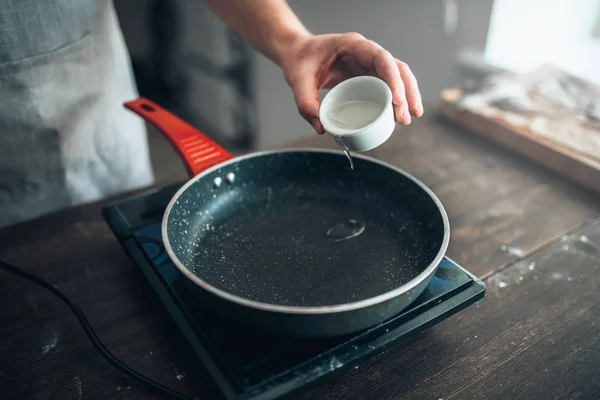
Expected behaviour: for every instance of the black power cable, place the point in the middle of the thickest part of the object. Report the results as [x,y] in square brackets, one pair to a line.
[89,331]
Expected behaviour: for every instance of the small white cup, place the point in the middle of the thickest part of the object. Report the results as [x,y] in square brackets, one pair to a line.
[358,113]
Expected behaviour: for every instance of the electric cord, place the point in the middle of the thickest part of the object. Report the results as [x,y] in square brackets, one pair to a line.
[89,331]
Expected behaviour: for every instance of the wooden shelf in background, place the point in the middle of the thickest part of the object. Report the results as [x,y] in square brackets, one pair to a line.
[570,164]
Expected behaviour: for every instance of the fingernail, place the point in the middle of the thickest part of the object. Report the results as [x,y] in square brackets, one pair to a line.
[420,108]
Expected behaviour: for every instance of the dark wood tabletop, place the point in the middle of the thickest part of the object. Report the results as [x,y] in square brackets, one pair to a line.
[533,237]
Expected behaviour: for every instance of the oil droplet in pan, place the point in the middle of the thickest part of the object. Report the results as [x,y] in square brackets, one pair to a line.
[345,230]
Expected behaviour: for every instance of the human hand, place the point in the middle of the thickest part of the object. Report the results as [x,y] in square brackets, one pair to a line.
[315,62]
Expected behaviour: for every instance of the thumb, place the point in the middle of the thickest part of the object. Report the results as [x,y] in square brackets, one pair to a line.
[306,96]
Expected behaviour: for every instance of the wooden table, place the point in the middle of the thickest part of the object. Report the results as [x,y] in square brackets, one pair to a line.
[533,237]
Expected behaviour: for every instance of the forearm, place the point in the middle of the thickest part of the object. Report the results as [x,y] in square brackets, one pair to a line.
[270,26]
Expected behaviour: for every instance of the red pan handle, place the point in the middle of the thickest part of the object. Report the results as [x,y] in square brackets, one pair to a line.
[197,150]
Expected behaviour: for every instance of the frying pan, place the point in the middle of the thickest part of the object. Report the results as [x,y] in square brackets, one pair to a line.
[252,233]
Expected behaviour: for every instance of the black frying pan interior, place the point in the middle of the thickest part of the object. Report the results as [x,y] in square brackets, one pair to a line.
[262,236]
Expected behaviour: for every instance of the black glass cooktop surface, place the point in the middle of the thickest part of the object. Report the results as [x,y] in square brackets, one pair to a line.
[250,364]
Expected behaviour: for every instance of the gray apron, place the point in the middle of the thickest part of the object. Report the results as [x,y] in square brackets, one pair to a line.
[65,138]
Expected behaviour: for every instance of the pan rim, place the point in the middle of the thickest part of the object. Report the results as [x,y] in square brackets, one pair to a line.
[328,309]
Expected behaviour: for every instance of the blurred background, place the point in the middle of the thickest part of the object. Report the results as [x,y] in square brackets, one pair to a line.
[189,62]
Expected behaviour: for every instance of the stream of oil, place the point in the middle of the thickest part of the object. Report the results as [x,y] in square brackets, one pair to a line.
[351,227]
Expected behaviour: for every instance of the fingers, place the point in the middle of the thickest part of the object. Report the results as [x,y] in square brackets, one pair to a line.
[413,96]
[306,95]
[386,69]
[336,58]
[372,56]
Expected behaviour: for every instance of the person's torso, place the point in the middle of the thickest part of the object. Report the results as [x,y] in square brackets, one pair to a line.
[65,137]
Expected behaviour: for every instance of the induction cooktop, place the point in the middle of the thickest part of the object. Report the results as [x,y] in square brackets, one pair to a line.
[249,364]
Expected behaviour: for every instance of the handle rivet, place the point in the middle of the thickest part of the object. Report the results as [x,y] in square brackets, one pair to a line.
[230,177]
[217,182]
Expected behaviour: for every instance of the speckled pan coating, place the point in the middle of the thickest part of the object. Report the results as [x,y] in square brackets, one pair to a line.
[251,234]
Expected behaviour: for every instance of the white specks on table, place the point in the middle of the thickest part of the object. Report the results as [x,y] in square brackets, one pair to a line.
[514,251]
[50,344]
[515,274]
[180,376]
[49,339]
[78,387]
[557,276]
[501,211]
[584,239]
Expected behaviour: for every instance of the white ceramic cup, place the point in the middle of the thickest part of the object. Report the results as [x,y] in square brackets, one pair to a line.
[358,113]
